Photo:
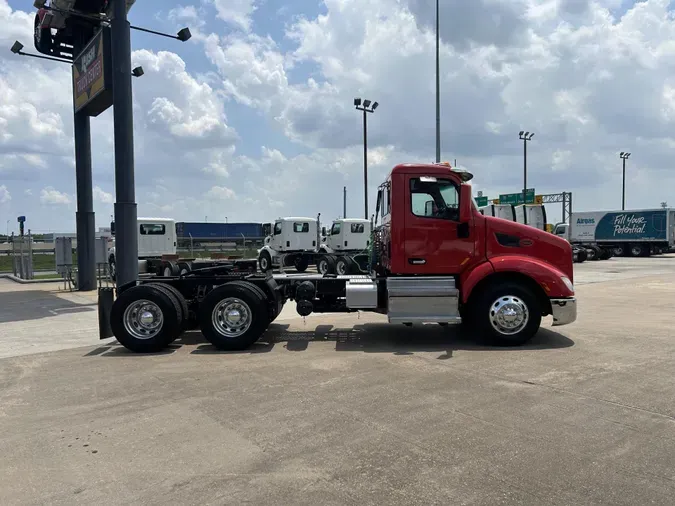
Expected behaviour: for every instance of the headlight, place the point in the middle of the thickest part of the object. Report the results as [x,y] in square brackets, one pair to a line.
[567,283]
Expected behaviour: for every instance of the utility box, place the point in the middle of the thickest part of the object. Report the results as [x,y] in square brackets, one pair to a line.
[101,250]
[63,253]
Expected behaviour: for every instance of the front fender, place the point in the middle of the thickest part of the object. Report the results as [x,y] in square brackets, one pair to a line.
[546,275]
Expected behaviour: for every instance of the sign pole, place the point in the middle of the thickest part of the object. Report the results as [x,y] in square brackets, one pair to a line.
[84,216]
[126,237]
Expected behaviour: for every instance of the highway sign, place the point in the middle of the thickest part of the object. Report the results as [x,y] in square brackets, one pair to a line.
[517,198]
[481,201]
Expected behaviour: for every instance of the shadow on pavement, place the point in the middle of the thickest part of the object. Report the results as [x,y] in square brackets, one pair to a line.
[36,304]
[386,338]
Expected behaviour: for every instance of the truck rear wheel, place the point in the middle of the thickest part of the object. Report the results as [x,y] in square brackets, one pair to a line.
[233,316]
[146,319]
[636,250]
[506,314]
[265,261]
[343,266]
[184,313]
[300,263]
[326,264]
[619,251]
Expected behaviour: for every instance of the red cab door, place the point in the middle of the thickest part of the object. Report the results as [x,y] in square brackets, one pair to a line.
[436,240]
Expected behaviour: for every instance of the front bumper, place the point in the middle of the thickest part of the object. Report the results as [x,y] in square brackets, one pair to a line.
[564,311]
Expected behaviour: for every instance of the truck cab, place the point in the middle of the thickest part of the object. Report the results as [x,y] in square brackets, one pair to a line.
[347,234]
[533,215]
[290,241]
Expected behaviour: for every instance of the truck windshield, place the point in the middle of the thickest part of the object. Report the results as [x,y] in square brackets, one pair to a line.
[335,229]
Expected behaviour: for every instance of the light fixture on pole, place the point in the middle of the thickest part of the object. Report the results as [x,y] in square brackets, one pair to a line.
[366,106]
[525,137]
[624,156]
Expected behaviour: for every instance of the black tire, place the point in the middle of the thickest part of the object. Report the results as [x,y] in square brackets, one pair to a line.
[619,251]
[273,309]
[168,306]
[597,253]
[481,313]
[605,254]
[184,268]
[326,264]
[168,269]
[583,255]
[245,293]
[300,263]
[636,250]
[184,313]
[265,261]
[42,37]
[344,266]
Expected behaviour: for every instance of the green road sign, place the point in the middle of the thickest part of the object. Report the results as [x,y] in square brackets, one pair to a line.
[481,201]
[517,198]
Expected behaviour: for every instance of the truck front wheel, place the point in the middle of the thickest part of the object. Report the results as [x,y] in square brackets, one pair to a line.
[301,263]
[506,314]
[265,261]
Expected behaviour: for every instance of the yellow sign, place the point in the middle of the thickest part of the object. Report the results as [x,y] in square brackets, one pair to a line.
[538,199]
[495,201]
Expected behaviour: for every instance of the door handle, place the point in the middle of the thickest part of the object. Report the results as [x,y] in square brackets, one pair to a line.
[417,261]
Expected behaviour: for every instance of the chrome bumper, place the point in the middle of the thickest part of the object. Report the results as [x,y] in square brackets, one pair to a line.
[564,311]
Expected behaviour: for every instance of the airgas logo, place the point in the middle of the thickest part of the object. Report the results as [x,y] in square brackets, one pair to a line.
[585,221]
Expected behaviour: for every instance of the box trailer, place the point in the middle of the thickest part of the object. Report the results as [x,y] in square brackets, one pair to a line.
[641,232]
[504,211]
[533,215]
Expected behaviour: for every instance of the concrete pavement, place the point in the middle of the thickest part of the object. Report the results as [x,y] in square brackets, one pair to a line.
[341,410]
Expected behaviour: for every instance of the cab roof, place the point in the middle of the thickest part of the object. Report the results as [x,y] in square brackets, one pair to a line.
[429,168]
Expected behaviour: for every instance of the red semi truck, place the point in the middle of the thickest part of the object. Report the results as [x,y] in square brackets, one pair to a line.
[435,258]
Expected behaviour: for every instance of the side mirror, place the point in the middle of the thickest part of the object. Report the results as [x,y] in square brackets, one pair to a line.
[112,228]
[323,230]
[463,230]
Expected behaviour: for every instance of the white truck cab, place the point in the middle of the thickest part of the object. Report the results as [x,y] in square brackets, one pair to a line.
[504,211]
[156,237]
[533,215]
[290,241]
[347,234]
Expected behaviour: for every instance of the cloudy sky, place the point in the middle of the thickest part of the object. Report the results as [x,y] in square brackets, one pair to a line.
[253,118]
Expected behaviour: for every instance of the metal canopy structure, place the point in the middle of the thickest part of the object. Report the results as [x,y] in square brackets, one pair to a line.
[565,198]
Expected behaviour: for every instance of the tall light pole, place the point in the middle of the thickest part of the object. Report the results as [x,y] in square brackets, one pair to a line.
[366,108]
[525,137]
[624,156]
[438,87]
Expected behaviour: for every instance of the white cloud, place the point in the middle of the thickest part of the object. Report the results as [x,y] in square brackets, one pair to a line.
[102,196]
[265,120]
[220,193]
[5,196]
[51,196]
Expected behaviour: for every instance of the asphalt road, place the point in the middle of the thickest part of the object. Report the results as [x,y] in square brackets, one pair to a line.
[346,410]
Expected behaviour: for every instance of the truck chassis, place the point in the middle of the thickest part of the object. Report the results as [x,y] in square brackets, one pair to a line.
[234,309]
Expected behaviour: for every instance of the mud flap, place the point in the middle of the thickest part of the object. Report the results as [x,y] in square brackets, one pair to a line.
[105,302]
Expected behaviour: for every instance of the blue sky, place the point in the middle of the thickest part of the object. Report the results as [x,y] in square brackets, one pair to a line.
[253,117]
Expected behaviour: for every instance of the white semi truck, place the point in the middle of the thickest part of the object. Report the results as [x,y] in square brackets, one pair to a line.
[344,247]
[291,241]
[158,254]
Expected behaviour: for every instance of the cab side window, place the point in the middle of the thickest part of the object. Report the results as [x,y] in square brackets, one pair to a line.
[357,228]
[434,198]
[335,230]
[152,229]
[300,228]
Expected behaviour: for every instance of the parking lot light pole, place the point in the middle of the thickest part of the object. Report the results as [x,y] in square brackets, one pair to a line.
[624,156]
[367,107]
[525,137]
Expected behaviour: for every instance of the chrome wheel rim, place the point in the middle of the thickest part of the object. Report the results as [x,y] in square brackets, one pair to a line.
[263,263]
[231,317]
[636,251]
[143,319]
[112,269]
[341,268]
[323,267]
[509,315]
